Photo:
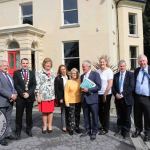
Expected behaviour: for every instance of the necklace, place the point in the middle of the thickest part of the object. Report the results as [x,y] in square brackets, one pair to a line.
[25,80]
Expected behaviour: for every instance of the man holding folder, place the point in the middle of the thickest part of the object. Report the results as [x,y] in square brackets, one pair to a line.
[90,85]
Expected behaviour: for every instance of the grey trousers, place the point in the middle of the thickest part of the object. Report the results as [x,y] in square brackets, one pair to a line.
[63,115]
[7,111]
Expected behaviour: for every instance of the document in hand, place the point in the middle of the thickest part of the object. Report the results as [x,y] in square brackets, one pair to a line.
[87,83]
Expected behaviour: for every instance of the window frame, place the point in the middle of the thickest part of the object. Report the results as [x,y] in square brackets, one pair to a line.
[25,16]
[63,25]
[135,25]
[67,58]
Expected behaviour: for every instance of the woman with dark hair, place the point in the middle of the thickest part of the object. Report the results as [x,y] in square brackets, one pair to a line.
[60,82]
[45,94]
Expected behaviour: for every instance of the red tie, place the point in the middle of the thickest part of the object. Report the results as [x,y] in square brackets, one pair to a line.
[25,74]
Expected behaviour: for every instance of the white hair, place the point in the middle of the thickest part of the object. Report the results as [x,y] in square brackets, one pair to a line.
[142,56]
[87,62]
[2,61]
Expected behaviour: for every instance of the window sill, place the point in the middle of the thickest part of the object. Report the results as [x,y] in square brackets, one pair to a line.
[133,36]
[70,26]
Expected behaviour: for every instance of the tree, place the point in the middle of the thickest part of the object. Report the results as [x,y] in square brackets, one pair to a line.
[146,27]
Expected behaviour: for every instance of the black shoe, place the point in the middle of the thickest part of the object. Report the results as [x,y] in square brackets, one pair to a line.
[93,137]
[44,131]
[71,132]
[125,134]
[78,130]
[18,135]
[85,133]
[136,134]
[3,142]
[29,133]
[146,138]
[117,133]
[49,131]
[11,137]
[103,132]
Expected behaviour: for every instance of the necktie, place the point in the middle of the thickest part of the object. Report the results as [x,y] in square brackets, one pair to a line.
[143,71]
[9,82]
[120,81]
[25,74]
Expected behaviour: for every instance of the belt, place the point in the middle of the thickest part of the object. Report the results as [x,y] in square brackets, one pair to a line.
[142,95]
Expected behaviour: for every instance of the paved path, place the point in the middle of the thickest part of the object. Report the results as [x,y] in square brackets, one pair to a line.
[61,141]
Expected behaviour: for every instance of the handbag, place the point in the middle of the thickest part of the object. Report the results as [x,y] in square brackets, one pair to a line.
[56,103]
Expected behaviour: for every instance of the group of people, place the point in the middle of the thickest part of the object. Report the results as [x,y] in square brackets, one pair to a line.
[129,89]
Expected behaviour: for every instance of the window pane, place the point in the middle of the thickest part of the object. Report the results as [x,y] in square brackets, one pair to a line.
[72,63]
[132,19]
[26,10]
[13,45]
[71,49]
[28,20]
[70,4]
[71,17]
[11,61]
[132,29]
[133,52]
[133,64]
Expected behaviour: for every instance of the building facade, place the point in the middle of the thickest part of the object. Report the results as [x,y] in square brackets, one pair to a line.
[70,31]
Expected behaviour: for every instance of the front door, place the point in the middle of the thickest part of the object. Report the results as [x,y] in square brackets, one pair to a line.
[14,61]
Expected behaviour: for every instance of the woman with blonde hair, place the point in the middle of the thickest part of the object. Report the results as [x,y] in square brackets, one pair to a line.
[45,94]
[106,75]
[73,102]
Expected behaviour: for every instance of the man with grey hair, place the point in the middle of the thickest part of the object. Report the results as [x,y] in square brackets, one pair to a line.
[89,100]
[8,95]
[142,98]
[123,87]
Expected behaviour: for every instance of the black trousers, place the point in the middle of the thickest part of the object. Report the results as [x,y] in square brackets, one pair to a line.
[22,104]
[74,115]
[104,111]
[123,115]
[142,108]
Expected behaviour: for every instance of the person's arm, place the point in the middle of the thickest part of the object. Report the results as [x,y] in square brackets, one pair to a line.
[17,84]
[97,81]
[130,87]
[66,94]
[109,86]
[33,85]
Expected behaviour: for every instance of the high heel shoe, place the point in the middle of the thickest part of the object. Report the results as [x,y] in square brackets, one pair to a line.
[44,131]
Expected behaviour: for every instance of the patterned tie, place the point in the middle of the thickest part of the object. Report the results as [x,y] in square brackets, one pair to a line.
[143,71]
[120,81]
[25,74]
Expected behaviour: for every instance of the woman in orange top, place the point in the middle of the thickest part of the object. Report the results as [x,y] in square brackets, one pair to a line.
[73,102]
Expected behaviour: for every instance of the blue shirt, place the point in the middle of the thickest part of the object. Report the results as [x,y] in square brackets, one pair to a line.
[142,89]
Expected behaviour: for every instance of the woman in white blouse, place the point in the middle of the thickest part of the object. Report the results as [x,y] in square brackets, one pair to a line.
[106,75]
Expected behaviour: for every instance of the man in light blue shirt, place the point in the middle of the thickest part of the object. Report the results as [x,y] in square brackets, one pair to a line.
[142,98]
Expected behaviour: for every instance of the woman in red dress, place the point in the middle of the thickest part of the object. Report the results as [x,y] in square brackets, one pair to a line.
[45,94]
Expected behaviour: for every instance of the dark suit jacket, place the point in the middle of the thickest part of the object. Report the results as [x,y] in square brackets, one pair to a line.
[20,84]
[91,97]
[136,72]
[59,87]
[128,87]
[5,91]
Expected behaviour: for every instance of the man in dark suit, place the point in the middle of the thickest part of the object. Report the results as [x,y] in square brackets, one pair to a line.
[89,99]
[142,98]
[25,84]
[8,95]
[123,87]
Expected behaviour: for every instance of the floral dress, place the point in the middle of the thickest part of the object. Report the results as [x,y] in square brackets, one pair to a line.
[45,89]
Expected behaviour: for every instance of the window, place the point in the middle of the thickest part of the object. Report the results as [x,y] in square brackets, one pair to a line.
[70,11]
[71,55]
[26,13]
[133,24]
[133,57]
[13,45]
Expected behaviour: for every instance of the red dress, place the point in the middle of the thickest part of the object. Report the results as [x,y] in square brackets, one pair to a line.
[46,106]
